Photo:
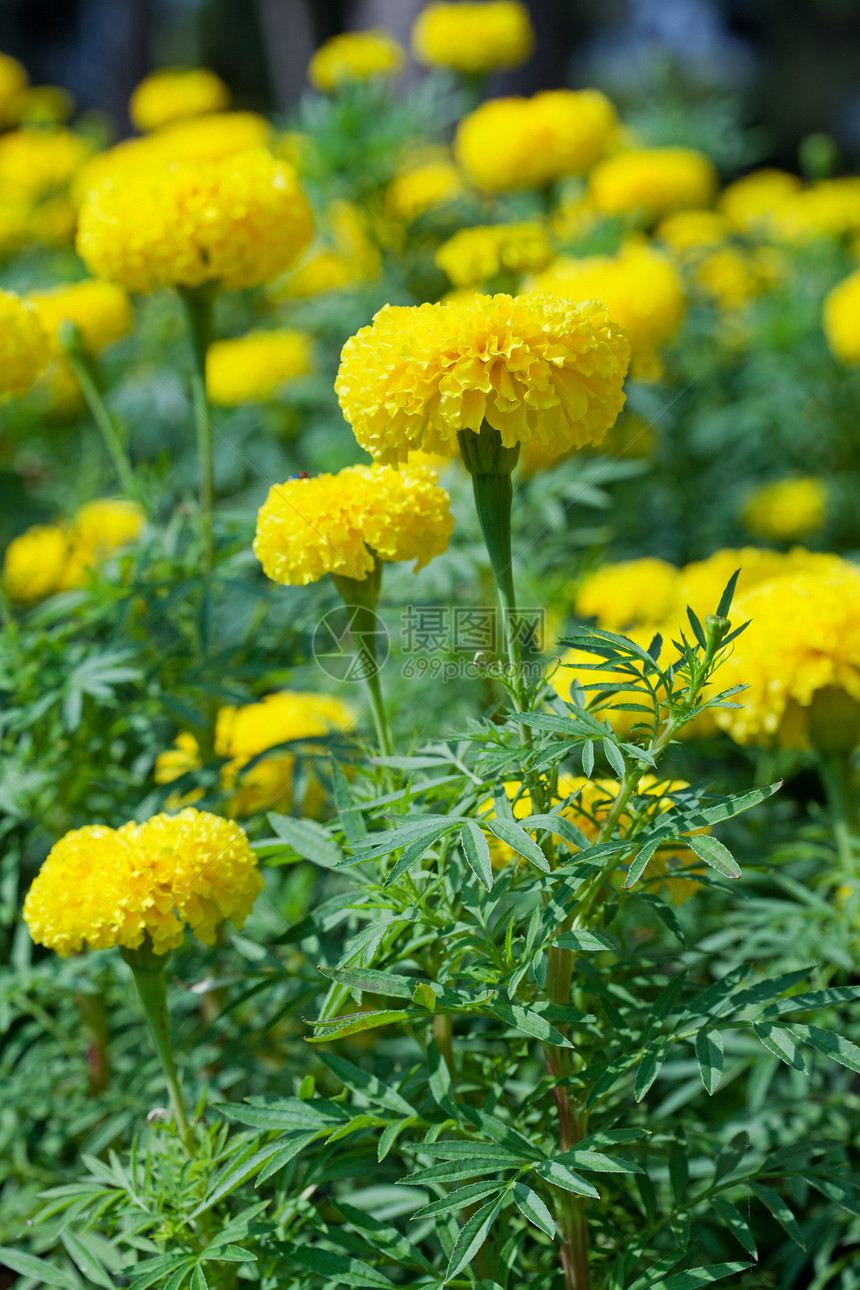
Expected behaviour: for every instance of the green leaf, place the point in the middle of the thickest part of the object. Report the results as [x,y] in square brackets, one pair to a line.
[614,756]
[86,1260]
[531,1206]
[520,841]
[584,940]
[350,815]
[726,809]
[588,758]
[471,1237]
[357,1023]
[233,1176]
[477,852]
[814,999]
[736,1223]
[695,1277]
[308,839]
[841,1050]
[388,983]
[599,1162]
[559,825]
[709,1055]
[649,1068]
[288,1151]
[38,1269]
[458,1199]
[782,1043]
[714,854]
[467,1149]
[773,1201]
[413,852]
[530,1023]
[553,1171]
[726,598]
[339,1269]
[198,1279]
[639,863]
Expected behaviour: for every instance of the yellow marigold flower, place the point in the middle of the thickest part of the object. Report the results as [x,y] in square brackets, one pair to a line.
[108,523]
[194,141]
[730,276]
[100,310]
[16,231]
[346,258]
[338,523]
[653,182]
[355,56]
[529,143]
[634,591]
[13,81]
[474,255]
[788,509]
[701,583]
[688,232]
[423,187]
[23,344]
[640,288]
[102,887]
[802,646]
[829,209]
[173,93]
[748,202]
[473,38]
[241,222]
[254,366]
[53,221]
[34,562]
[35,162]
[841,319]
[536,368]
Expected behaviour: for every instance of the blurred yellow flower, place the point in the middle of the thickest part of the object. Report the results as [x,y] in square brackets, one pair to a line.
[107,523]
[240,222]
[828,209]
[640,288]
[13,80]
[841,319]
[634,591]
[52,557]
[355,56]
[423,186]
[788,509]
[34,563]
[102,887]
[749,202]
[37,162]
[732,276]
[23,344]
[341,523]
[474,255]
[100,310]
[653,182]
[535,367]
[473,38]
[173,93]
[345,257]
[690,231]
[254,366]
[528,143]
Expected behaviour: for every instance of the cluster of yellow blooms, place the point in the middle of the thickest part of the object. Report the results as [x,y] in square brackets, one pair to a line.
[788,509]
[101,312]
[254,366]
[475,255]
[102,887]
[355,56]
[473,38]
[242,734]
[345,257]
[23,344]
[842,319]
[536,368]
[48,558]
[172,93]
[653,182]
[342,523]
[240,222]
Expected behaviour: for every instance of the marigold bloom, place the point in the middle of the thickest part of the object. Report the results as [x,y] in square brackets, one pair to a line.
[473,38]
[13,80]
[474,255]
[102,887]
[841,319]
[355,56]
[23,344]
[100,310]
[243,733]
[748,202]
[640,288]
[193,141]
[173,93]
[829,209]
[803,640]
[48,558]
[688,232]
[528,143]
[108,523]
[36,162]
[536,368]
[422,187]
[340,523]
[240,222]
[653,182]
[34,562]
[788,509]
[733,276]
[634,591]
[346,257]
[254,366]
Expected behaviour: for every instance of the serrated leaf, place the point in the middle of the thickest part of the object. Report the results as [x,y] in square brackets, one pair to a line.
[458,1199]
[477,852]
[518,840]
[86,1260]
[357,1023]
[387,983]
[553,1171]
[413,852]
[649,1068]
[471,1237]
[588,758]
[695,1277]
[728,595]
[339,1269]
[29,1266]
[599,1162]
[779,1209]
[614,756]
[584,940]
[639,863]
[531,1206]
[198,1279]
[780,1041]
[736,1223]
[308,839]
[709,1055]
[714,854]
[835,1046]
[530,1023]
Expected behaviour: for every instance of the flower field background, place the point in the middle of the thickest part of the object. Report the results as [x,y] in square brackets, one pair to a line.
[430,679]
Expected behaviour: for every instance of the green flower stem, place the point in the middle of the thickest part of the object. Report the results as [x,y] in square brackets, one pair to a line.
[443,1033]
[84,370]
[361,597]
[199,305]
[841,789]
[95,1022]
[148,970]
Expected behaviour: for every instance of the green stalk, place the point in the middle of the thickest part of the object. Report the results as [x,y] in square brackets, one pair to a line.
[199,305]
[361,598]
[84,369]
[148,970]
